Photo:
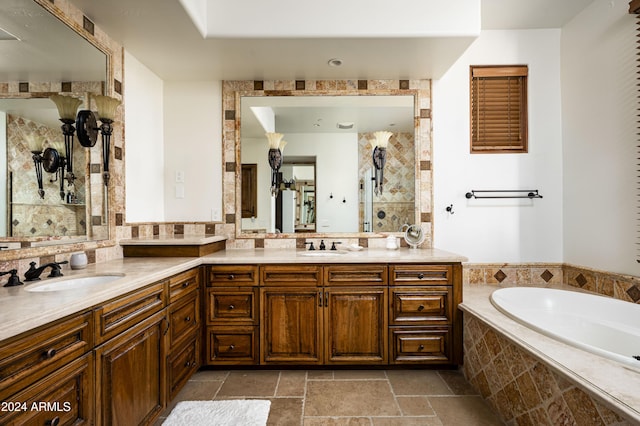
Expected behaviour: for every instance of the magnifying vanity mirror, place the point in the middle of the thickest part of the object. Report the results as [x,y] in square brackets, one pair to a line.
[326,181]
[41,56]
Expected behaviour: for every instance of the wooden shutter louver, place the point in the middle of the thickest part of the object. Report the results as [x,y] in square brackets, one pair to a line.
[499,109]
[634,8]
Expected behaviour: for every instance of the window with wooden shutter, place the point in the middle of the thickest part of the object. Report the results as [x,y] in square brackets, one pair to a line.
[499,109]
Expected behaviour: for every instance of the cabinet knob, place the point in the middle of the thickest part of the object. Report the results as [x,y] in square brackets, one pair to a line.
[232,347]
[420,308]
[421,347]
[188,364]
[186,284]
[50,353]
[54,421]
[231,307]
[187,319]
[231,277]
[420,276]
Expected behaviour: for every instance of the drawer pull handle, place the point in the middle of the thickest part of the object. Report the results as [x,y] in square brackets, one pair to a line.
[420,276]
[231,307]
[186,284]
[421,347]
[54,421]
[50,354]
[420,308]
[232,347]
[189,364]
[231,277]
[187,319]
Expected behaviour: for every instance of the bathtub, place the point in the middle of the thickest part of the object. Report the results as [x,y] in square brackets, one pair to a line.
[601,325]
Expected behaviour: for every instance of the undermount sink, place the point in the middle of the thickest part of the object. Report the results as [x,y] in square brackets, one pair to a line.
[73,283]
[322,253]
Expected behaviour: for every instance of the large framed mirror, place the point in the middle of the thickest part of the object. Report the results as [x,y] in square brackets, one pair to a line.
[43,55]
[331,131]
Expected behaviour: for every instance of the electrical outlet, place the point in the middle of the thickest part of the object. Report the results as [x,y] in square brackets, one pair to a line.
[180,176]
[216,215]
[179,191]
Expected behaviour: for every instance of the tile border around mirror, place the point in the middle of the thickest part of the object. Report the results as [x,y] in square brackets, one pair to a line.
[232,91]
[101,250]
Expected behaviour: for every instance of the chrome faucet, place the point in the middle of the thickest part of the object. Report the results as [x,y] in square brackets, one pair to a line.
[33,274]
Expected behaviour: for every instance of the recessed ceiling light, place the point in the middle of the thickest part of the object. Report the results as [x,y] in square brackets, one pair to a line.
[345,125]
[335,62]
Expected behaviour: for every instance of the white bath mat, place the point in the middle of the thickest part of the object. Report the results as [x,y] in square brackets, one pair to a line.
[238,412]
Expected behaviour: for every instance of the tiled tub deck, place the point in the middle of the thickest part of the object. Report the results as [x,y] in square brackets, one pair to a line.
[530,379]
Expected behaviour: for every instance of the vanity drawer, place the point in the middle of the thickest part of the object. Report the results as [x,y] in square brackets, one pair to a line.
[232,345]
[34,354]
[423,345]
[183,318]
[121,314]
[295,275]
[183,284]
[224,275]
[421,274]
[182,363]
[232,306]
[420,305]
[356,275]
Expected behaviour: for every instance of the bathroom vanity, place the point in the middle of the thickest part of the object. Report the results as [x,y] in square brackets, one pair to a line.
[87,351]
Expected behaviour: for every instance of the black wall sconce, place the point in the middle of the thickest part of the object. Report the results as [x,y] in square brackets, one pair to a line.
[379,144]
[53,161]
[35,146]
[276,146]
[67,107]
[87,128]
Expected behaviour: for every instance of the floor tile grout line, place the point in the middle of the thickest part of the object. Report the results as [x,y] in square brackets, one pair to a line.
[304,397]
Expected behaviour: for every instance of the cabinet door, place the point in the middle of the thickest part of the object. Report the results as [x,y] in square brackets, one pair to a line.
[356,325]
[64,397]
[291,322]
[131,374]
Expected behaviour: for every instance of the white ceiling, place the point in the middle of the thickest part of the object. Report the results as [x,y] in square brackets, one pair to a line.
[160,34]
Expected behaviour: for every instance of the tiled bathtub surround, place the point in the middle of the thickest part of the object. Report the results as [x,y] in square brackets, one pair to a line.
[619,286]
[521,388]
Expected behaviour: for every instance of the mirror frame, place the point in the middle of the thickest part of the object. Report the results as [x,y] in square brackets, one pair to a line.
[234,91]
[55,245]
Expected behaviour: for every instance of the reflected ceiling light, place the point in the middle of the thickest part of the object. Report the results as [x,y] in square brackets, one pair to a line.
[335,62]
[345,125]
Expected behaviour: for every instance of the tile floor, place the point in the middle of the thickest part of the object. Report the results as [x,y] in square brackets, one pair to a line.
[348,397]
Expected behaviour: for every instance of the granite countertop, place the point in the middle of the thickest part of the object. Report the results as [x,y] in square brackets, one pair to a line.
[22,310]
[612,381]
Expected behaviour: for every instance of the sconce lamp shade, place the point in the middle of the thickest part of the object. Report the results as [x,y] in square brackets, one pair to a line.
[67,106]
[35,142]
[58,145]
[381,139]
[107,107]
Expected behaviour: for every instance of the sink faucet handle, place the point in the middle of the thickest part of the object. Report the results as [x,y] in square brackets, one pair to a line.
[311,247]
[322,246]
[13,280]
[333,245]
[56,269]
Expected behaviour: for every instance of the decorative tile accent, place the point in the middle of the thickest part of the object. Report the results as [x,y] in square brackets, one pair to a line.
[230,166]
[546,276]
[581,280]
[117,86]
[178,229]
[500,276]
[23,87]
[521,389]
[425,165]
[119,219]
[634,293]
[156,230]
[229,114]
[403,85]
[66,86]
[300,84]
[258,85]
[88,25]
[230,218]
[362,84]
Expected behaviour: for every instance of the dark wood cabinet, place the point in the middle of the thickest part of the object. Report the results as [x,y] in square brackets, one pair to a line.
[322,321]
[232,315]
[131,374]
[423,314]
